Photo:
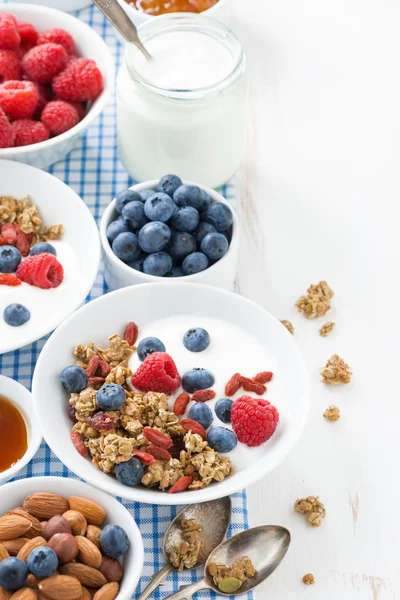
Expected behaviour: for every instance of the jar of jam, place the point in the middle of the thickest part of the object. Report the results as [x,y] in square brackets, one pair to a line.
[162,7]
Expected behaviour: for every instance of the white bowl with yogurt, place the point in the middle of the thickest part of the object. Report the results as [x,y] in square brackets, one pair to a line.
[78,251]
[244,338]
[221,11]
[117,274]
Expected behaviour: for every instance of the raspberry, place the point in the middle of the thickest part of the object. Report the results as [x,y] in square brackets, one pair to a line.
[29,35]
[80,108]
[254,420]
[9,35]
[18,99]
[29,132]
[6,131]
[10,65]
[79,82]
[59,116]
[43,63]
[58,36]
[42,270]
[44,98]
[157,373]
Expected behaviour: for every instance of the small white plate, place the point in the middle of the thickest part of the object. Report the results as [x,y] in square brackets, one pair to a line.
[79,253]
[66,5]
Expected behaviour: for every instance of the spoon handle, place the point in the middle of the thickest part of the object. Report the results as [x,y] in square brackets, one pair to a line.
[156,580]
[186,591]
[118,17]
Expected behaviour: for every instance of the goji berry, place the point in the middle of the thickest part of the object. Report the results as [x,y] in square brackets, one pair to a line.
[181,485]
[131,333]
[145,457]
[9,233]
[233,385]
[3,242]
[194,427]
[252,386]
[263,377]
[181,403]
[103,369]
[101,421]
[96,380]
[157,438]
[92,366]
[157,452]
[203,395]
[22,243]
[9,279]
[77,441]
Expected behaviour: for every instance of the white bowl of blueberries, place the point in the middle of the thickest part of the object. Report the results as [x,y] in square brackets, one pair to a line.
[169,228]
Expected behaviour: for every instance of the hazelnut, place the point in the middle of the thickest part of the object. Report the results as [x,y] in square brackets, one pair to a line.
[65,546]
[56,525]
[111,569]
[93,534]
[77,521]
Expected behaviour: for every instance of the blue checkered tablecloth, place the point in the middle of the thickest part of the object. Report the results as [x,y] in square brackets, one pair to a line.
[93,170]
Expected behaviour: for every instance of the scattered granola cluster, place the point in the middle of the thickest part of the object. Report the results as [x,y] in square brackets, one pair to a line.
[332,413]
[326,329]
[230,579]
[313,508]
[186,554]
[317,302]
[288,326]
[309,579]
[27,217]
[336,371]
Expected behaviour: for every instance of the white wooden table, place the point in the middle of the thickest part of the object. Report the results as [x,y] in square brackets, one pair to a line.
[320,200]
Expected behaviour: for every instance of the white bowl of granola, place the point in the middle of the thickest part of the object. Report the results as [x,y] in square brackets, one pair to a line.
[40,207]
[243,338]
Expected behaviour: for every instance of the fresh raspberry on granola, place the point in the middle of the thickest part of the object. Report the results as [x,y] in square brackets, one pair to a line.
[43,63]
[10,65]
[157,373]
[29,132]
[29,35]
[18,99]
[41,270]
[58,36]
[81,81]
[6,131]
[254,420]
[9,34]
[59,116]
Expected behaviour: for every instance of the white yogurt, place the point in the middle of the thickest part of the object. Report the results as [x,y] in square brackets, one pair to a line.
[231,350]
[184,110]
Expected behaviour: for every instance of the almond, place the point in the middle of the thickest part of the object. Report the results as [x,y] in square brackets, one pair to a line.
[93,534]
[93,513]
[4,594]
[107,592]
[77,521]
[14,546]
[44,505]
[86,575]
[29,546]
[3,554]
[32,582]
[89,554]
[24,594]
[86,595]
[36,528]
[13,526]
[60,587]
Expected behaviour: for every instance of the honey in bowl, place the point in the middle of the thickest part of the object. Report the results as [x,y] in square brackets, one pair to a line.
[13,434]
[162,7]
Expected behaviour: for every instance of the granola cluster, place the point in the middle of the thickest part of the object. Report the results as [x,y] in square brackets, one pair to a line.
[326,329]
[288,326]
[332,413]
[112,437]
[186,554]
[230,579]
[336,371]
[27,216]
[313,508]
[317,302]
[309,579]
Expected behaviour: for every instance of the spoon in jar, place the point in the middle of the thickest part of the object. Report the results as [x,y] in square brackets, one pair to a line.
[213,516]
[266,546]
[122,23]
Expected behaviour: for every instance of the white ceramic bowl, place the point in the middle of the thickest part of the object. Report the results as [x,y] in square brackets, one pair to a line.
[222,11]
[118,274]
[89,45]
[14,493]
[67,5]
[144,304]
[22,399]
[57,203]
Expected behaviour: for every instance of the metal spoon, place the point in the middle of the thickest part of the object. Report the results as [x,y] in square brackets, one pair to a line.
[214,516]
[266,546]
[118,17]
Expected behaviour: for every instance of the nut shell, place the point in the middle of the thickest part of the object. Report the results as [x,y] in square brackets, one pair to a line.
[57,524]
[93,512]
[44,505]
[111,569]
[60,587]
[65,546]
[77,522]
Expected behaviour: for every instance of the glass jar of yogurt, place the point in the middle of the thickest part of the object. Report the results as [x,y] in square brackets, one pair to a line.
[183,111]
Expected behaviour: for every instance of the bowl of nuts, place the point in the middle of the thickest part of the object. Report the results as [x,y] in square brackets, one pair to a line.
[65,540]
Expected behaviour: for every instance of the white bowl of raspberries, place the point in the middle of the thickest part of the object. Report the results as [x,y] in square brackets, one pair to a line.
[56,77]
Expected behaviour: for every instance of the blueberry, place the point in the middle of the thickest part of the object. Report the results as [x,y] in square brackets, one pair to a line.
[148,346]
[194,263]
[221,439]
[16,315]
[189,195]
[168,184]
[181,245]
[158,264]
[10,258]
[42,561]
[214,246]
[114,229]
[154,236]
[42,247]
[110,397]
[138,262]
[159,207]
[13,573]
[185,219]
[133,214]
[176,271]
[223,410]
[126,247]
[202,231]
[74,379]
[220,215]
[196,339]
[197,379]
[129,473]
[114,541]
[124,198]
[144,194]
[201,413]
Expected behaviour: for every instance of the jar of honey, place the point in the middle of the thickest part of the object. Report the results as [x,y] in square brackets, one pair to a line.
[161,7]
[13,434]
